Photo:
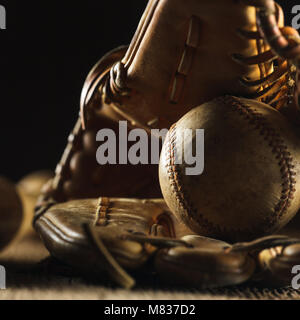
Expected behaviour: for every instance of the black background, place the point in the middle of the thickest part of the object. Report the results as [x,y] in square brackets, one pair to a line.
[45,55]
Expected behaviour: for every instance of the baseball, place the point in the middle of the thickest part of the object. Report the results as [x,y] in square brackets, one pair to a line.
[249,186]
[11,212]
[29,189]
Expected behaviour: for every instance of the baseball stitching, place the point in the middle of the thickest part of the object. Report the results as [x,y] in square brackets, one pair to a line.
[279,149]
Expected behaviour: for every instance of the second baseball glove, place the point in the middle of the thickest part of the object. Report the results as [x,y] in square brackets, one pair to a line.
[110,238]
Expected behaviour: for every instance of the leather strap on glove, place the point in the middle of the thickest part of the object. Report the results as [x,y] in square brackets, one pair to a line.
[183,54]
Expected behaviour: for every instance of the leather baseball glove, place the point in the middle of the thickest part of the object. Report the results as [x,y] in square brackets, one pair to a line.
[178,58]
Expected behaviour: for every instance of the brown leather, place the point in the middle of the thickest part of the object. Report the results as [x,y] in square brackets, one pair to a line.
[206,264]
[165,86]
[133,231]
[285,47]
[275,263]
[298,87]
[213,263]
[153,89]
[250,184]
[179,57]
[133,90]
[119,223]
[79,176]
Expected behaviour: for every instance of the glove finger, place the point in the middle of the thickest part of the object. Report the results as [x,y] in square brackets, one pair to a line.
[277,264]
[206,264]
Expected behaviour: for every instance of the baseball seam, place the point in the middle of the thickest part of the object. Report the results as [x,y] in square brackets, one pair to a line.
[279,149]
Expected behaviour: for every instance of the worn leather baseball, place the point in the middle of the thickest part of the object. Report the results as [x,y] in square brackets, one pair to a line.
[10,212]
[29,189]
[250,185]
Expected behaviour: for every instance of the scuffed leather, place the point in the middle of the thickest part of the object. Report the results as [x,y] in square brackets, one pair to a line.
[182,56]
[250,184]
